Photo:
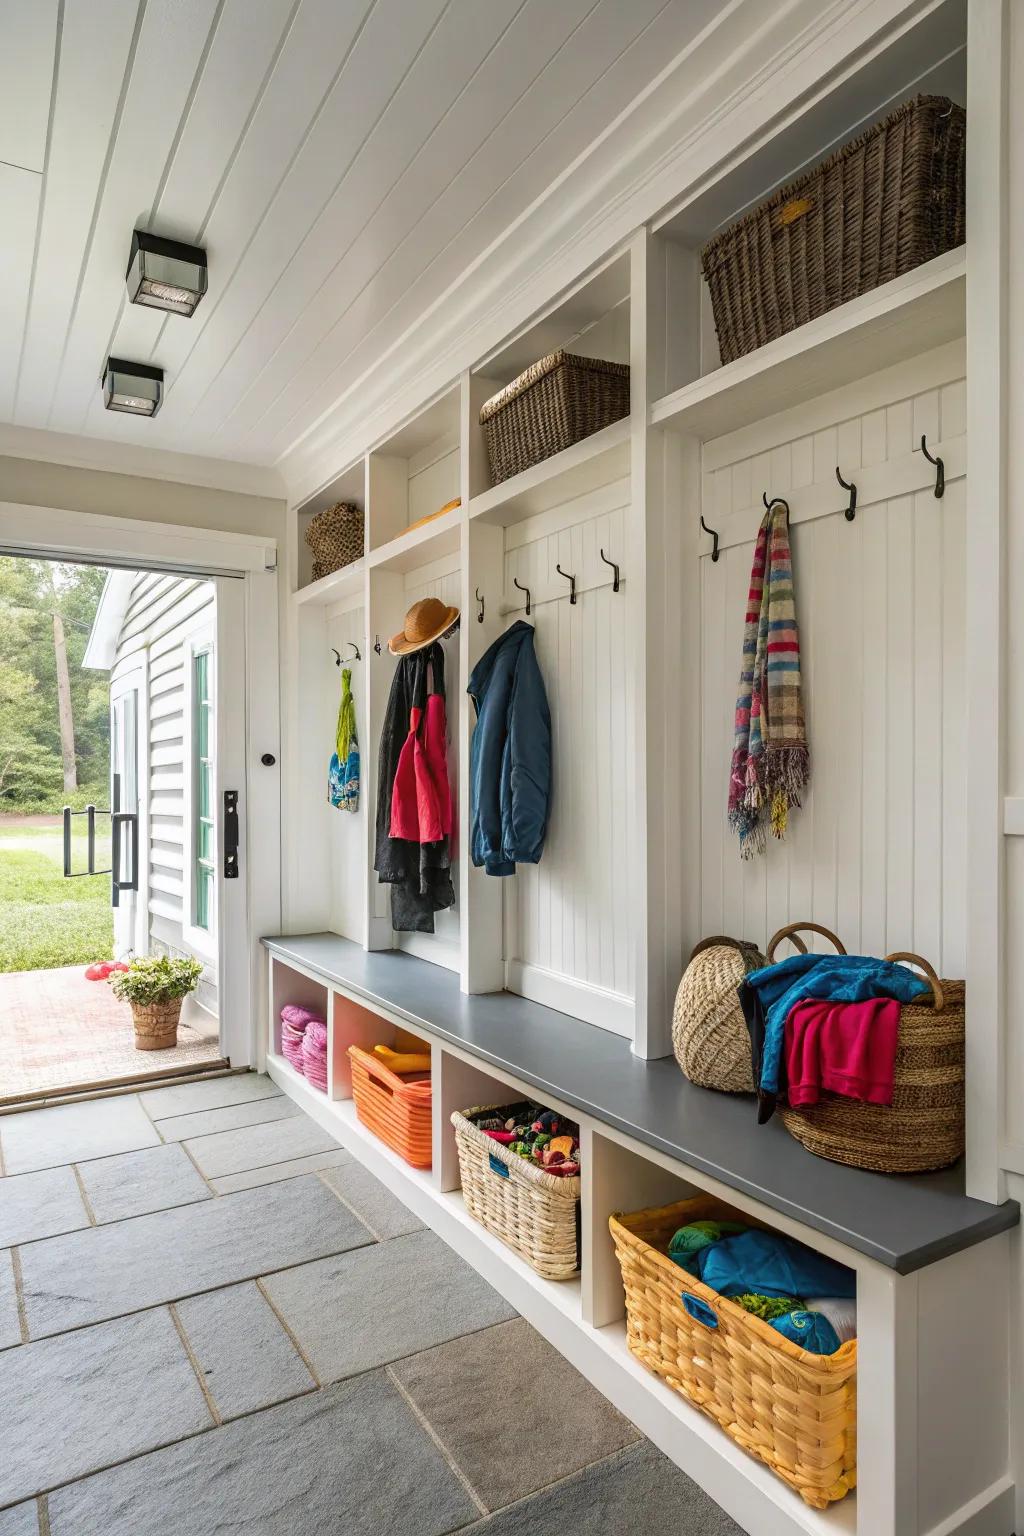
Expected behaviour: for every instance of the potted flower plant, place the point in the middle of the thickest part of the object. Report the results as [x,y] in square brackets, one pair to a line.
[155,986]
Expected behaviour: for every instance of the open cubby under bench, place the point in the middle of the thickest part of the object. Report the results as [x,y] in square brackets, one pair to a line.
[932,1263]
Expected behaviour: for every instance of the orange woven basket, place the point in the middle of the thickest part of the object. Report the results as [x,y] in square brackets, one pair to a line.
[397,1109]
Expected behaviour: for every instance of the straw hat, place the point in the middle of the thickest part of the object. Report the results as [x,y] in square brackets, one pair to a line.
[425,622]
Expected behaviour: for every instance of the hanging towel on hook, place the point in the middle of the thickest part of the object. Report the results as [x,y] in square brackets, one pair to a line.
[343,774]
[770,759]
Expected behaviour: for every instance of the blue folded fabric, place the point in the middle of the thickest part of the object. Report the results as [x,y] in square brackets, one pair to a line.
[842,978]
[811,1330]
[771,1264]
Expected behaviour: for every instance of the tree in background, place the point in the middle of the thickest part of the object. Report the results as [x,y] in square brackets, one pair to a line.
[54,718]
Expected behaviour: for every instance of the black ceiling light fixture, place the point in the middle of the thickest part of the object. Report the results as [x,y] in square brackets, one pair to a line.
[164,274]
[134,388]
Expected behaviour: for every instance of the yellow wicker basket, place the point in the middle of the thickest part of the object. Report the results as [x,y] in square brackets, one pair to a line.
[795,1411]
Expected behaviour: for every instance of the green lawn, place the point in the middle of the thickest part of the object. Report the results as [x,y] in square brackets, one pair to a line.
[46,920]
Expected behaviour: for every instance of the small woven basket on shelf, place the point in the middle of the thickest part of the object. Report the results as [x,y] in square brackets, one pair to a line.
[923,1128]
[886,202]
[709,1032]
[532,1211]
[556,402]
[335,537]
[397,1109]
[795,1411]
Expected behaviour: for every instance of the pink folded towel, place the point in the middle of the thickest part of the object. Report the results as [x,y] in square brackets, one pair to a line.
[299,1017]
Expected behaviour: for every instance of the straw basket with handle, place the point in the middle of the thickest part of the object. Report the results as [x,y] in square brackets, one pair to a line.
[923,1128]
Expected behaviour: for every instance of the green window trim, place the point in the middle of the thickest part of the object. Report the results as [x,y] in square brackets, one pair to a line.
[203,835]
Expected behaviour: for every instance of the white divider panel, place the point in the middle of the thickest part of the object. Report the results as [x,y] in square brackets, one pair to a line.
[346,831]
[568,937]
[878,851]
[441,580]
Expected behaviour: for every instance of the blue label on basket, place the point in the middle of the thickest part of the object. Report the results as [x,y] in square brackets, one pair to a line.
[497,1166]
[699,1310]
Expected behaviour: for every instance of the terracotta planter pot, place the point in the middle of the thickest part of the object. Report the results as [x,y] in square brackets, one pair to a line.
[156,1025]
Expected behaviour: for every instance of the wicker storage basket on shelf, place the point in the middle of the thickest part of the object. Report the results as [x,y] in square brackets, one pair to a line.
[335,536]
[795,1411]
[709,1033]
[923,1128]
[531,1210]
[397,1109]
[880,206]
[554,404]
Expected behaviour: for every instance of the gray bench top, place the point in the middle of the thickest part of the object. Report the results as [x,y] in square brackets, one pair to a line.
[905,1222]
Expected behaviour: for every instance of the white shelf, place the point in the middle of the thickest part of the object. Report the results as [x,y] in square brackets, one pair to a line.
[596,461]
[330,588]
[418,546]
[908,316]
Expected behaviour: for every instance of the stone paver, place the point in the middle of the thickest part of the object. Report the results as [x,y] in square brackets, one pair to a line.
[333,1157]
[372,1201]
[20,1520]
[247,1359]
[257,1146]
[351,1460]
[507,1456]
[10,1327]
[135,1183]
[43,1204]
[210,1093]
[229,1117]
[359,1310]
[71,1133]
[107,1271]
[85,1399]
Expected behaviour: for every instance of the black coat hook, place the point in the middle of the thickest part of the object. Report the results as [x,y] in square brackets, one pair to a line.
[714,535]
[615,578]
[337,656]
[517,583]
[480,615]
[571,580]
[848,485]
[940,469]
[376,644]
[776,501]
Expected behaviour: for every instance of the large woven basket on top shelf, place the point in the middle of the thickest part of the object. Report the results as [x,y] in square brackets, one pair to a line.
[335,536]
[795,1411]
[709,1032]
[924,1126]
[554,404]
[397,1109]
[531,1210]
[880,206]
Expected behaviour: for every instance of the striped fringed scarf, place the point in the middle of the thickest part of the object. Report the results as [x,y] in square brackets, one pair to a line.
[770,760]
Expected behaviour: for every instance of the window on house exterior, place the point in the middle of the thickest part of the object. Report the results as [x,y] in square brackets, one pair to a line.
[203,737]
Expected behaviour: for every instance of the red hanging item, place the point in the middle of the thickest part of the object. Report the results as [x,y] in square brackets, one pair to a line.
[421,802]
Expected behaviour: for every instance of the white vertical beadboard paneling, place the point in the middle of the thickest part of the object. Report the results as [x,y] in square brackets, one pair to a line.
[877,851]
[567,915]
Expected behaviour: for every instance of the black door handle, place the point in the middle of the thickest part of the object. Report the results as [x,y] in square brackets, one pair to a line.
[231,834]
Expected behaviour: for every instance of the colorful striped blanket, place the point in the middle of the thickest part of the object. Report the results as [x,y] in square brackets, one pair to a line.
[770,758]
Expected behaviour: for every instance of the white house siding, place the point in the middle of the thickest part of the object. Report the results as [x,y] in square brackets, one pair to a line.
[162,611]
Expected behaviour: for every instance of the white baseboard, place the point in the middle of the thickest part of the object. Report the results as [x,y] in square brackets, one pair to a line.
[608,1010]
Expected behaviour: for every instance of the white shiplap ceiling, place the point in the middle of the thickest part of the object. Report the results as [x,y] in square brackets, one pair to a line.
[344,162]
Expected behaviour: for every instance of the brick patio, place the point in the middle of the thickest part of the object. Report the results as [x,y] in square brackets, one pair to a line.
[58,1031]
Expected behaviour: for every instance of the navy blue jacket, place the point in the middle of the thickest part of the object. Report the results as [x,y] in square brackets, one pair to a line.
[510,755]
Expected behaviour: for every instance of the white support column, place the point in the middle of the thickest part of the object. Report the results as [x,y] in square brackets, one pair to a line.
[887,1402]
[482,570]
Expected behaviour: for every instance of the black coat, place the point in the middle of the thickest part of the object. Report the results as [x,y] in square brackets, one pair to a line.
[419,874]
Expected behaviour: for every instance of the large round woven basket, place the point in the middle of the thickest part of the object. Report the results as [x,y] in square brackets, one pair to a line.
[335,536]
[923,1128]
[709,1033]
[156,1024]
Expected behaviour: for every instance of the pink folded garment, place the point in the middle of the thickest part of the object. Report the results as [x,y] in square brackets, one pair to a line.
[844,1048]
[298,1016]
[314,1054]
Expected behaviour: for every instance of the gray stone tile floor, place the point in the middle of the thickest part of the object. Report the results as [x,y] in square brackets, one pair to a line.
[229,1324]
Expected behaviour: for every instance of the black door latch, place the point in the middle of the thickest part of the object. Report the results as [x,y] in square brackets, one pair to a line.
[231,834]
